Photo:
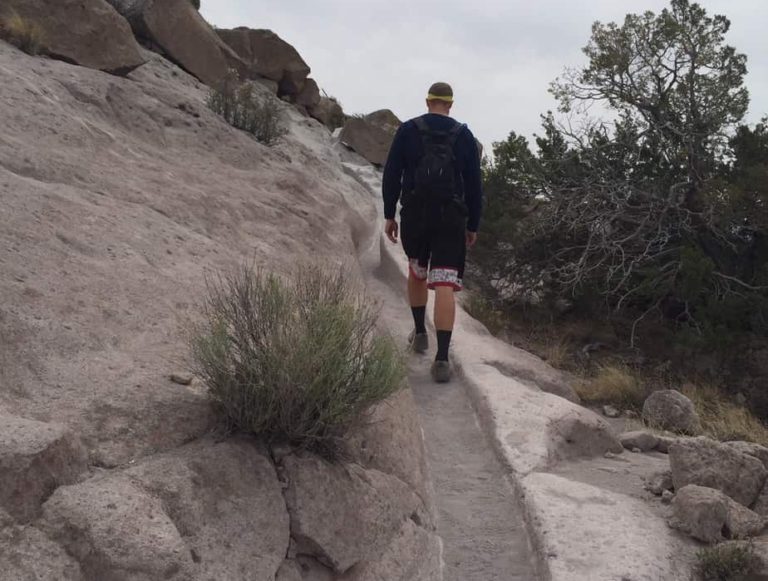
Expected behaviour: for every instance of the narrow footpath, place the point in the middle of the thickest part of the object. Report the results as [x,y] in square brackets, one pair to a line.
[479,517]
[480,521]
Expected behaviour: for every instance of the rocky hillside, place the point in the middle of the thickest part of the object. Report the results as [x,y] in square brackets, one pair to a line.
[119,194]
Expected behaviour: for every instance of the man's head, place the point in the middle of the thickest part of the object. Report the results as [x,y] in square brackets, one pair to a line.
[440,99]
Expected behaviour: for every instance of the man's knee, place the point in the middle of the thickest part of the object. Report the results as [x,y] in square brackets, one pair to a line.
[416,272]
[444,293]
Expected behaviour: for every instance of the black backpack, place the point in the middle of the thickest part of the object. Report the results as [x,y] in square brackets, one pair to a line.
[436,174]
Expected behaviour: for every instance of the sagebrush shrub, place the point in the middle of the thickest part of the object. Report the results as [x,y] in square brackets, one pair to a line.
[21,32]
[294,359]
[239,105]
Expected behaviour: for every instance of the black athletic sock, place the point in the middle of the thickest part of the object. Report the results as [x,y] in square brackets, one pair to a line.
[443,342]
[418,318]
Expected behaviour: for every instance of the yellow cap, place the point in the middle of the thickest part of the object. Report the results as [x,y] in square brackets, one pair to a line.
[431,97]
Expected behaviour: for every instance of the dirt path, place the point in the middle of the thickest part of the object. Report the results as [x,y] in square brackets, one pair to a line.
[479,518]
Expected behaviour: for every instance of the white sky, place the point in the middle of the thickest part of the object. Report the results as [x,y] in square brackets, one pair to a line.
[499,55]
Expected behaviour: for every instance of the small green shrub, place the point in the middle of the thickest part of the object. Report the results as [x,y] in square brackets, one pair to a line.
[295,359]
[727,562]
[196,4]
[21,32]
[239,105]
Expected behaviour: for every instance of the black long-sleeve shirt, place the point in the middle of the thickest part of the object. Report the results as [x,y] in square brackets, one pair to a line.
[404,155]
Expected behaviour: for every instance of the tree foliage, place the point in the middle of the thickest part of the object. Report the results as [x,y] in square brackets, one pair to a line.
[661,210]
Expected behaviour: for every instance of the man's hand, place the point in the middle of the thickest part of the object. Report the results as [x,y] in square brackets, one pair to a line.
[390,229]
[471,239]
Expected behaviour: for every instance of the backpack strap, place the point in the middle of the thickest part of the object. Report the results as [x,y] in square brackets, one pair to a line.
[421,125]
[453,134]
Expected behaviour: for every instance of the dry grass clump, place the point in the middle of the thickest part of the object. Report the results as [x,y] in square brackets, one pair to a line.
[21,32]
[294,360]
[239,105]
[726,562]
[613,384]
[557,352]
[723,419]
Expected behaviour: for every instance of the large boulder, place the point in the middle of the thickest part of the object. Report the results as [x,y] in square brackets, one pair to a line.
[35,458]
[639,440]
[371,136]
[392,442]
[26,554]
[309,96]
[581,435]
[668,409]
[222,491]
[176,29]
[710,516]
[704,462]
[344,514]
[117,531]
[751,449]
[265,54]
[85,32]
[329,112]
[413,555]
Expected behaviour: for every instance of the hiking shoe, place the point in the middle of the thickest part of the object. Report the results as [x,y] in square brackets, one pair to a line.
[419,342]
[441,371]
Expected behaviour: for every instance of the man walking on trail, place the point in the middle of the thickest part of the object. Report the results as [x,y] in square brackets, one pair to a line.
[433,168]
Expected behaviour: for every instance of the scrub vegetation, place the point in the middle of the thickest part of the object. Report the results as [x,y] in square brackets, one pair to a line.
[650,229]
[294,359]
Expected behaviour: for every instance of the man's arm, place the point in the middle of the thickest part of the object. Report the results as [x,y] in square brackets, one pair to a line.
[473,183]
[392,182]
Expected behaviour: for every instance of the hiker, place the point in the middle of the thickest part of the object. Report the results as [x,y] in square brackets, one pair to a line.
[433,168]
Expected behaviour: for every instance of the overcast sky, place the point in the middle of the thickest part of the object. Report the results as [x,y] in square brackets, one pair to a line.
[499,55]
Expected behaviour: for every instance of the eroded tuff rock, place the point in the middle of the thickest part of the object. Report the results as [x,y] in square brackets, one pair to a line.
[342,513]
[761,504]
[26,554]
[309,96]
[85,32]
[704,462]
[659,482]
[226,501]
[35,458]
[116,531]
[391,441]
[175,28]
[329,113]
[640,440]
[665,442]
[412,555]
[265,54]
[751,449]
[582,435]
[710,516]
[371,136]
[668,409]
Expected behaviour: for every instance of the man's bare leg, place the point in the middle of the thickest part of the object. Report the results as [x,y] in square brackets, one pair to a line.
[417,291]
[445,308]
[417,298]
[445,314]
